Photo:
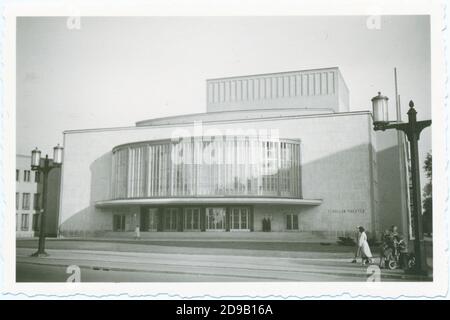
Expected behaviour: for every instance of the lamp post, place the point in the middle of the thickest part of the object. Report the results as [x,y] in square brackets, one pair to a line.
[44,165]
[412,129]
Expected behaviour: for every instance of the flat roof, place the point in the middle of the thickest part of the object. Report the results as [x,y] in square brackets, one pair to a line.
[335,114]
[274,73]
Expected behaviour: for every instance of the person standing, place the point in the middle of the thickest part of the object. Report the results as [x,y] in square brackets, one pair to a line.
[385,249]
[358,249]
[366,254]
[399,247]
[264,224]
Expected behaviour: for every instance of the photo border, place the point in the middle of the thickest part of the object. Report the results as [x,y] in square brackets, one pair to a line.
[438,288]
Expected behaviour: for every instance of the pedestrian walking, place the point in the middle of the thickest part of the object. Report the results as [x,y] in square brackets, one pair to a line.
[366,254]
[357,249]
[137,231]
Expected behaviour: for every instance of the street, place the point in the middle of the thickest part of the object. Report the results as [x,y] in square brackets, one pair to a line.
[193,261]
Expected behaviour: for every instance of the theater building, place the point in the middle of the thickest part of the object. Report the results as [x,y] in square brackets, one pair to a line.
[274,152]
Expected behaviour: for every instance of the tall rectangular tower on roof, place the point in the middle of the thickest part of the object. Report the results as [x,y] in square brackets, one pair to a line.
[306,89]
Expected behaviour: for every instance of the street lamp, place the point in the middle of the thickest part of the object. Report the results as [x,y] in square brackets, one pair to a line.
[44,166]
[412,129]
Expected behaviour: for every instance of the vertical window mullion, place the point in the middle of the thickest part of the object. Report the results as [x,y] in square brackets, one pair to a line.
[136,173]
[296,170]
[172,169]
[150,170]
[154,159]
[160,170]
[166,169]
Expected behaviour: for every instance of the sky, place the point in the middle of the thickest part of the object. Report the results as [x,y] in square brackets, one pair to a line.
[115,71]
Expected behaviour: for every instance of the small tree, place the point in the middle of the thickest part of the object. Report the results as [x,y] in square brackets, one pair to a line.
[428,196]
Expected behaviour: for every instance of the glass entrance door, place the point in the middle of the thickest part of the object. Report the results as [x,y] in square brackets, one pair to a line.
[149,219]
[119,222]
[171,219]
[215,219]
[192,219]
[239,219]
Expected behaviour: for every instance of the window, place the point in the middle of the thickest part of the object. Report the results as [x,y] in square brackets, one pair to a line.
[26,201]
[17,200]
[26,175]
[37,177]
[239,219]
[17,174]
[292,221]
[192,219]
[207,166]
[24,222]
[36,201]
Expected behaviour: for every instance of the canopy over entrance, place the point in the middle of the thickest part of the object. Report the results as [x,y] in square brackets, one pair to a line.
[208,201]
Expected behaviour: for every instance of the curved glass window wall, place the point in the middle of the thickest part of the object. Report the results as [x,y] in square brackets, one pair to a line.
[207,166]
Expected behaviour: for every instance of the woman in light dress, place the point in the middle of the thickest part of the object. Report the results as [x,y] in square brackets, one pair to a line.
[366,254]
[137,232]
[357,249]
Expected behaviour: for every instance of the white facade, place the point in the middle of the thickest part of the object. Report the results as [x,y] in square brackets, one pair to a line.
[342,166]
[338,163]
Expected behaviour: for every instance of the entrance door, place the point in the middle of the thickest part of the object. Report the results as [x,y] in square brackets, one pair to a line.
[149,219]
[119,222]
[215,219]
[239,219]
[171,219]
[192,219]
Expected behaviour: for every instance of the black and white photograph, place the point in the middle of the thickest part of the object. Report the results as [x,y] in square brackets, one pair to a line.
[184,150]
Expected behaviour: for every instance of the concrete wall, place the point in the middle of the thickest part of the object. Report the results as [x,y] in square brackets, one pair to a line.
[277,216]
[337,167]
[343,94]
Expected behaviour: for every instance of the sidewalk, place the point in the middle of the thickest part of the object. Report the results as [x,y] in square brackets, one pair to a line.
[306,237]
[202,245]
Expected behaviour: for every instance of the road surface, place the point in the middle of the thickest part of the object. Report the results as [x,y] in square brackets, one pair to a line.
[129,261]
